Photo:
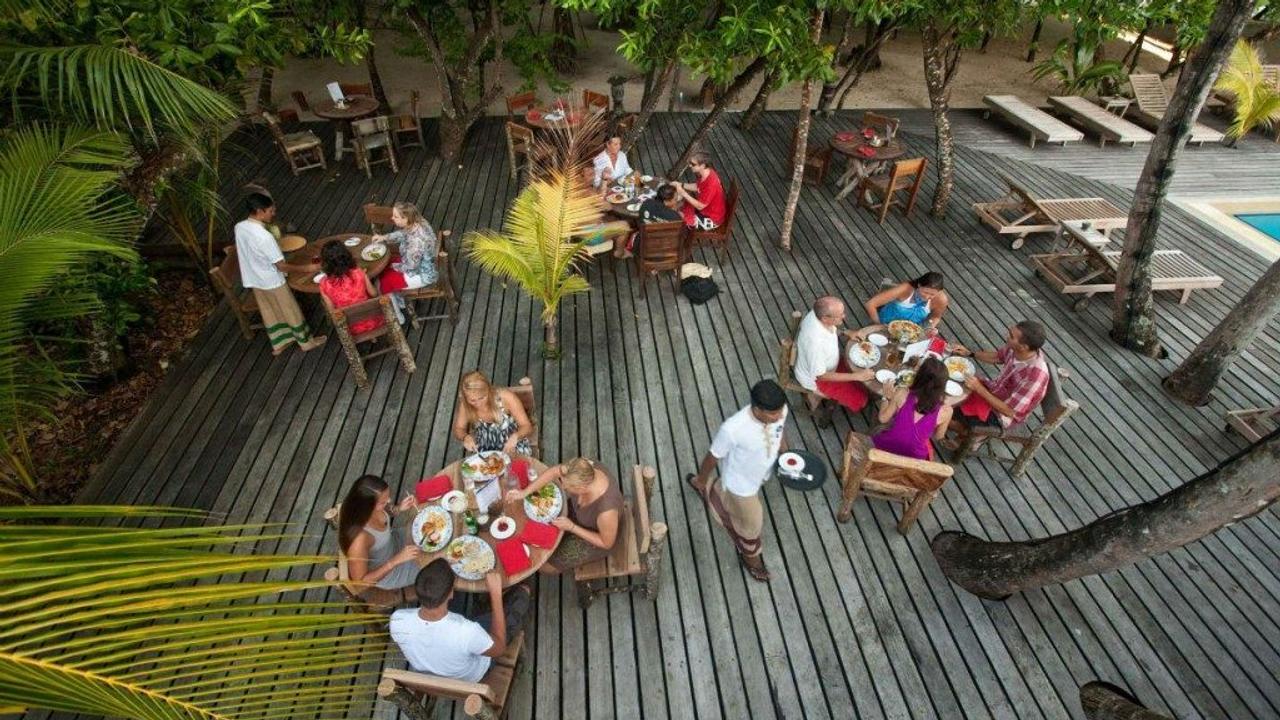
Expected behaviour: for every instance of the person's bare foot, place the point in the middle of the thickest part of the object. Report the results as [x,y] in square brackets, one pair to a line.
[755,567]
[698,487]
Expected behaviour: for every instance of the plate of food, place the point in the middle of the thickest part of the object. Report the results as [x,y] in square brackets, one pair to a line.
[502,528]
[317,278]
[646,179]
[886,376]
[791,462]
[432,528]
[616,198]
[455,501]
[617,189]
[351,242]
[373,252]
[905,331]
[959,368]
[877,339]
[545,504]
[906,377]
[554,115]
[954,389]
[470,557]
[633,207]
[864,354]
[485,466]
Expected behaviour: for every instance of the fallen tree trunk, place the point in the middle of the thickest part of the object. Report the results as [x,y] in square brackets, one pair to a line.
[1104,701]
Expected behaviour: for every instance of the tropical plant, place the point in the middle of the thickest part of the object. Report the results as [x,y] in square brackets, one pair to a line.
[115,621]
[1255,100]
[546,227]
[1077,70]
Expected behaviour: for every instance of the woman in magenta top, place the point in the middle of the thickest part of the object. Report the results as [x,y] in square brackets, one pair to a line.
[346,284]
[917,413]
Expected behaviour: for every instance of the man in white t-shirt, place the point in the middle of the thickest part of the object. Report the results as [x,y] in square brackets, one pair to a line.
[819,367]
[262,269]
[745,448]
[439,642]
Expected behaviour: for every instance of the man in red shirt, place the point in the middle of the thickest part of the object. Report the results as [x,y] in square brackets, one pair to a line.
[1020,386]
[706,211]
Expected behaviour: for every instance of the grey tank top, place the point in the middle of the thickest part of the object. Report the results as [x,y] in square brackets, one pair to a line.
[386,543]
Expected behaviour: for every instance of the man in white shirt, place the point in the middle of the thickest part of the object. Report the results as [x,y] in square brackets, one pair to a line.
[745,448]
[439,642]
[611,164]
[819,367]
[262,269]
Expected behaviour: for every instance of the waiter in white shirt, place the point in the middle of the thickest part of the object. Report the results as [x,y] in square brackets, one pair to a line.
[262,269]
[611,164]
[819,367]
[745,448]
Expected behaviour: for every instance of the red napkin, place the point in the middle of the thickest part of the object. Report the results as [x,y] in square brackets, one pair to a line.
[868,133]
[512,556]
[976,406]
[533,115]
[845,136]
[866,151]
[540,534]
[937,345]
[520,470]
[433,488]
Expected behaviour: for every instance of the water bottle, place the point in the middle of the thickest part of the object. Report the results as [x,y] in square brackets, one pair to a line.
[469,522]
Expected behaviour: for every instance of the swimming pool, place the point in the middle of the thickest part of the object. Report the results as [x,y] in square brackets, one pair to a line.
[1268,223]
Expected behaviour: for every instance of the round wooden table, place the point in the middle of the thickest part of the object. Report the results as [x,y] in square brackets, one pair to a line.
[310,253]
[875,387]
[621,209]
[573,117]
[355,107]
[537,555]
[860,165]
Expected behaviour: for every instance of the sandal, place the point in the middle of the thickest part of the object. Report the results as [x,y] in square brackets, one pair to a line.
[755,569]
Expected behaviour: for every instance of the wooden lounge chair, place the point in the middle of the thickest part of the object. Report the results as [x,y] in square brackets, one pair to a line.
[226,277]
[1253,423]
[1055,408]
[1039,124]
[444,288]
[389,331]
[1151,100]
[1019,213]
[1107,126]
[1082,268]
[636,558]
[417,694]
[882,475]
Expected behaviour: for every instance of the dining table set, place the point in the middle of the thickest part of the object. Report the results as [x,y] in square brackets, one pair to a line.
[371,256]
[896,349]
[869,152]
[343,113]
[625,195]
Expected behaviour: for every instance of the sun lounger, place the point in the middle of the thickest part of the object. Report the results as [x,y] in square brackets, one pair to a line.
[1019,213]
[1084,269]
[1100,122]
[1040,124]
[1152,100]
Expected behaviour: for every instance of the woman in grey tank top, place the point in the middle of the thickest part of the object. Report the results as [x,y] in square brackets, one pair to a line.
[377,551]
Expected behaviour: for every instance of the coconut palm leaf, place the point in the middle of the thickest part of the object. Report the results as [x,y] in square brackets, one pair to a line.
[1256,101]
[123,628]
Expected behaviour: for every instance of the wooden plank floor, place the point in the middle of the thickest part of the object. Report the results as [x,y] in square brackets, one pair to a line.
[858,621]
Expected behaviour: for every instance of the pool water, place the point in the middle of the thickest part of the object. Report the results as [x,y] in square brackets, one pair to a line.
[1267,223]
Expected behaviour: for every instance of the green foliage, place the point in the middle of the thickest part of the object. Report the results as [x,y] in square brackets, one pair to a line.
[531,53]
[1076,70]
[1255,101]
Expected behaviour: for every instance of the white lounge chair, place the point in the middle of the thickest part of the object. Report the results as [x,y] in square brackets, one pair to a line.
[1152,100]
[1107,126]
[1038,123]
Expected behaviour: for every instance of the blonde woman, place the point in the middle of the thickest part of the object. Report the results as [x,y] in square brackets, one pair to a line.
[490,418]
[595,512]
[418,248]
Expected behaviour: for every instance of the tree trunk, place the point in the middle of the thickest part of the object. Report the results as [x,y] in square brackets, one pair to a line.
[648,86]
[938,79]
[839,56]
[1034,47]
[264,89]
[650,104]
[375,79]
[564,52]
[453,133]
[802,146]
[1133,322]
[1175,62]
[551,342]
[986,40]
[1104,701]
[675,88]
[859,64]
[871,41]
[1241,486]
[761,101]
[1196,377]
[725,99]
[1135,51]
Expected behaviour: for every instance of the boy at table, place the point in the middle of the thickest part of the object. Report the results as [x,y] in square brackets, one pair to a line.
[706,210]
[1017,390]
[262,269]
[437,641]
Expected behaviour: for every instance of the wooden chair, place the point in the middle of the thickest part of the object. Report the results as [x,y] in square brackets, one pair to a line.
[519,148]
[623,124]
[354,89]
[636,557]
[1055,408]
[408,128]
[300,99]
[885,476]
[718,237]
[378,217]
[302,150]
[521,103]
[787,359]
[362,598]
[523,389]
[380,306]
[417,694]
[663,248]
[369,135]
[1253,423]
[287,116]
[905,175]
[883,124]
[444,288]
[816,160]
[226,277]
[595,101]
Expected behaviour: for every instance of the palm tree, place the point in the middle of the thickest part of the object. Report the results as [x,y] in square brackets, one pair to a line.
[1256,101]
[113,621]
[543,240]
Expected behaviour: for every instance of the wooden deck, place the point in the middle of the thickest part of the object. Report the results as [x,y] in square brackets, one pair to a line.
[858,621]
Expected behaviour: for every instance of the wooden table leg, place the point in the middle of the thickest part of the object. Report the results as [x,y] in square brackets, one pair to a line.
[850,179]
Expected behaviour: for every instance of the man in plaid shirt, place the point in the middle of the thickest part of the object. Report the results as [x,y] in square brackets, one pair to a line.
[1021,384]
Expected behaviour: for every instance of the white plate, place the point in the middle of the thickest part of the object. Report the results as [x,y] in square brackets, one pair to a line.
[497,529]
[954,389]
[884,376]
[633,207]
[471,466]
[557,115]
[791,462]
[877,339]
[351,242]
[964,368]
[317,278]
[863,354]
[648,194]
[618,189]
[646,179]
[531,511]
[446,534]
[455,501]
[373,252]
[477,557]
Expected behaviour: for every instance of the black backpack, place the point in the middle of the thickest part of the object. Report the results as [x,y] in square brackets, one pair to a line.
[699,289]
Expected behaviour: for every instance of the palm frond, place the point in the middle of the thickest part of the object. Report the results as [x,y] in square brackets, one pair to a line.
[130,632]
[1256,102]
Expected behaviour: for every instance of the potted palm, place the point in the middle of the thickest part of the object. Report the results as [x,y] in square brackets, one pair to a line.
[548,224]
[1255,101]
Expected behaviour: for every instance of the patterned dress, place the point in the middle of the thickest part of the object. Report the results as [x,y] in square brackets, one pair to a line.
[417,266]
[493,435]
[349,290]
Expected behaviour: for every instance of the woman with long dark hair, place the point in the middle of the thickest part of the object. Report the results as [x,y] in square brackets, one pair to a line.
[918,413]
[377,552]
[344,283]
[922,301]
